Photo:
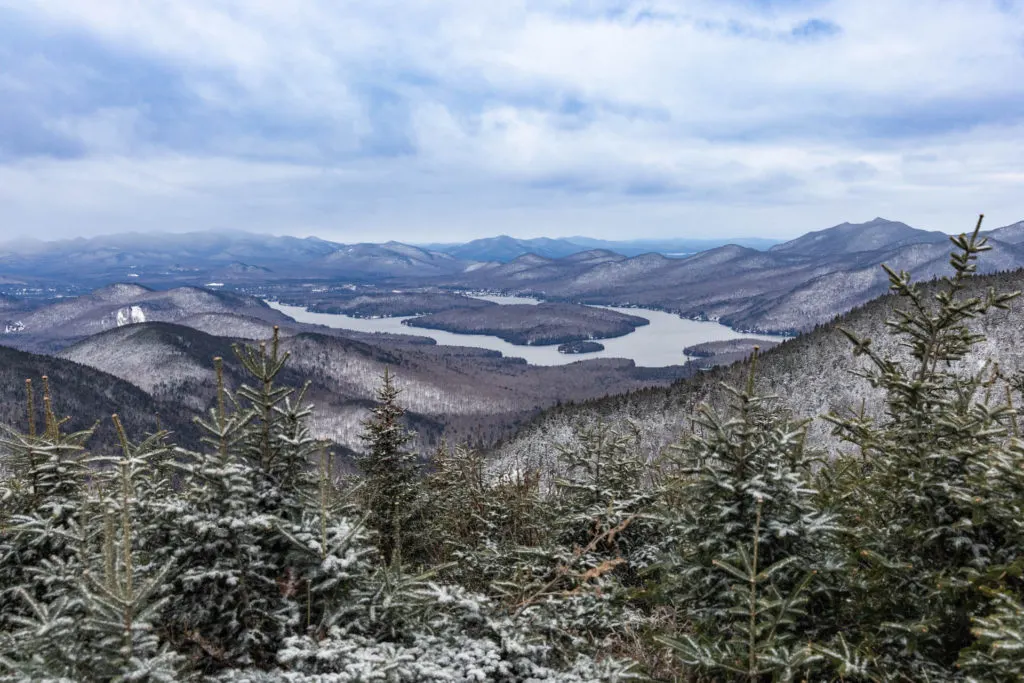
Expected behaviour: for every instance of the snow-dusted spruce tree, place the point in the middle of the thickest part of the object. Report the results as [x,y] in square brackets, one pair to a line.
[227,609]
[278,445]
[577,583]
[390,474]
[936,505]
[998,650]
[494,530]
[84,608]
[41,546]
[605,492]
[119,584]
[753,549]
[547,557]
[261,552]
[459,513]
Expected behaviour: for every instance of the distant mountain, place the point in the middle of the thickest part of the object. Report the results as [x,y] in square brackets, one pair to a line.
[139,250]
[503,248]
[669,246]
[165,259]
[850,238]
[234,257]
[53,327]
[392,259]
[752,285]
[594,257]
[1011,234]
[789,288]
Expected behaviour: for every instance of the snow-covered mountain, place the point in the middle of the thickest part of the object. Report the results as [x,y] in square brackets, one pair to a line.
[52,327]
[201,257]
[504,248]
[849,238]
[789,288]
[88,396]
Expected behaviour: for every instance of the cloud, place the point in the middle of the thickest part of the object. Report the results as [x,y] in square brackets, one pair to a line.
[813,29]
[418,117]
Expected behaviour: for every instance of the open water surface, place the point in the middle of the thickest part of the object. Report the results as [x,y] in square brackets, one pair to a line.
[658,344]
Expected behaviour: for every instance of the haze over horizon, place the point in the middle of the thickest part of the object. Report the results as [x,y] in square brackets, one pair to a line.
[443,122]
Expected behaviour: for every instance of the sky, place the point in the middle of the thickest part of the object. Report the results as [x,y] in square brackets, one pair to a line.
[447,120]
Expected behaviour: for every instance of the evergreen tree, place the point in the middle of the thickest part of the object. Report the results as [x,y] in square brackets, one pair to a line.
[606,485]
[932,506]
[119,590]
[752,545]
[390,472]
[228,609]
[277,445]
[999,648]
[42,541]
[458,507]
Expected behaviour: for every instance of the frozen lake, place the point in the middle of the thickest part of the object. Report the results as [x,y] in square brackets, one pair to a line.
[656,345]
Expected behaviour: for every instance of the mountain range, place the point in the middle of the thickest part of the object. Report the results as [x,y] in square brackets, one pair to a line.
[786,287]
[504,248]
[789,288]
[202,258]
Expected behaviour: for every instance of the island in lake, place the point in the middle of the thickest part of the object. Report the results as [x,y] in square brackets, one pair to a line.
[726,351]
[580,347]
[528,324]
[394,304]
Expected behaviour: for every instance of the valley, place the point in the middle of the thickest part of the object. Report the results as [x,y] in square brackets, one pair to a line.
[657,344]
[475,345]
[162,343]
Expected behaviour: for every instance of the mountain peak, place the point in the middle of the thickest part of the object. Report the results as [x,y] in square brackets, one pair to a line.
[847,238]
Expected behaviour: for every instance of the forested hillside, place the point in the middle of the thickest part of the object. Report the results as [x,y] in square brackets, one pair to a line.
[463,393]
[749,550]
[86,395]
[811,375]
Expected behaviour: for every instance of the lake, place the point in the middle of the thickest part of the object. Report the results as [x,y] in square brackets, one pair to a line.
[658,344]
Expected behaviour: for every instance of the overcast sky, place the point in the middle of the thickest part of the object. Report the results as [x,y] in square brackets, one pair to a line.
[443,120]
